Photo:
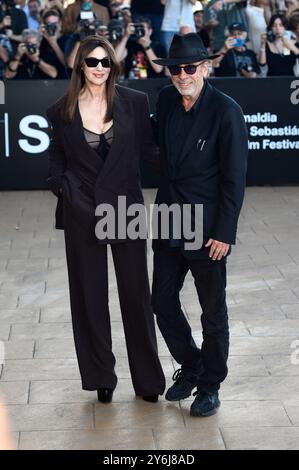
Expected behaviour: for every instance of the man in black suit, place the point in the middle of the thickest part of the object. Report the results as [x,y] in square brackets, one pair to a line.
[203,143]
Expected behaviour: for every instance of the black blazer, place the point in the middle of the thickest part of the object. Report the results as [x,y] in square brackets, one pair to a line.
[212,167]
[85,179]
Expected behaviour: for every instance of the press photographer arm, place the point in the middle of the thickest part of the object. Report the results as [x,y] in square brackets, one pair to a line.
[228,45]
[52,40]
[4,56]
[121,48]
[12,67]
[145,42]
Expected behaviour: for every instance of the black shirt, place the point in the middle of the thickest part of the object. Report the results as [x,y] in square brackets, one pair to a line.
[48,54]
[279,64]
[28,69]
[179,126]
[137,54]
[234,60]
[101,143]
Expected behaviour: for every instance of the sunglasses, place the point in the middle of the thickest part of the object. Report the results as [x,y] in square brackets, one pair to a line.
[94,62]
[189,69]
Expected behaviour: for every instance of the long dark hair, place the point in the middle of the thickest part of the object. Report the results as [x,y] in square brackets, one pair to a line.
[282,18]
[70,99]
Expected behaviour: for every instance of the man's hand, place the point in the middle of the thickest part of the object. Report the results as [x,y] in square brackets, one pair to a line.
[218,249]
[289,44]
[144,42]
[263,39]
[229,43]
[33,57]
[130,29]
[21,50]
[48,37]
[6,21]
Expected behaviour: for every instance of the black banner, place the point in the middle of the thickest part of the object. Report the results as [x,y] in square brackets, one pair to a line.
[270,105]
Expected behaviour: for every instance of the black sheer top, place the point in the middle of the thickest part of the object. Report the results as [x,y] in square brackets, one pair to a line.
[101,143]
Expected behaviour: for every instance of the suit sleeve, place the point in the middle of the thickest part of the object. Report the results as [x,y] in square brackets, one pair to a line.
[149,149]
[57,160]
[233,149]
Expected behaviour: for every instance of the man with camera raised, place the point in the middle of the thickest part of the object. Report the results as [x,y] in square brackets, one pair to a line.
[12,22]
[54,44]
[235,59]
[83,10]
[28,62]
[138,51]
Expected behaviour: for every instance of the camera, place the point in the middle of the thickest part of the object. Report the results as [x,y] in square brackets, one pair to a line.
[87,28]
[238,42]
[100,28]
[245,66]
[31,48]
[271,36]
[115,30]
[139,31]
[51,29]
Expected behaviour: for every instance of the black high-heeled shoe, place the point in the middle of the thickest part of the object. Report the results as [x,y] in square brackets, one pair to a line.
[105,395]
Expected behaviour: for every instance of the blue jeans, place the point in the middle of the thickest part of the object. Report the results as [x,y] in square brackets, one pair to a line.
[167,38]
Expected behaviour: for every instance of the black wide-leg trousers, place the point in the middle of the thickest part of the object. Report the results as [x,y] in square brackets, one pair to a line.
[170,269]
[88,285]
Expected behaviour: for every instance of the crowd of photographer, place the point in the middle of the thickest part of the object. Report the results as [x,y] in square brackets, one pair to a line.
[39,38]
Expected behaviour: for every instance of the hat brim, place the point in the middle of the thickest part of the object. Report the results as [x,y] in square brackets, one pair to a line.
[184,60]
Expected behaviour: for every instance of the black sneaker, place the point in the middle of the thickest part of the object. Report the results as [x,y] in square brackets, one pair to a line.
[185,382]
[205,404]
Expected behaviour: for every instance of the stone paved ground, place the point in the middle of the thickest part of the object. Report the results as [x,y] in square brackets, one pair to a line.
[40,381]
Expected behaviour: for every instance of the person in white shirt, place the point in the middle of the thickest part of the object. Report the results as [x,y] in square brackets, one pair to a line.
[257,24]
[177,13]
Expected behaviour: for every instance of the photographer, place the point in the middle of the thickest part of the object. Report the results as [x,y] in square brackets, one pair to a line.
[114,7]
[235,59]
[80,9]
[53,47]
[278,50]
[152,9]
[200,28]
[12,22]
[5,53]
[27,62]
[138,51]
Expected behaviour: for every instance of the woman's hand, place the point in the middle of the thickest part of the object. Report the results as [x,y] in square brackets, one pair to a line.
[263,39]
[289,44]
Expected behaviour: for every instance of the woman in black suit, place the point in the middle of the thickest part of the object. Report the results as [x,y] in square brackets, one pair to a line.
[99,133]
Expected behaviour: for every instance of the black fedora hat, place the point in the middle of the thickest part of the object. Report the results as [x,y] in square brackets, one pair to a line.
[186,49]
